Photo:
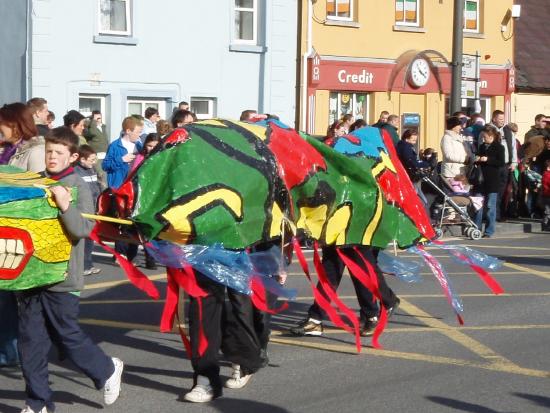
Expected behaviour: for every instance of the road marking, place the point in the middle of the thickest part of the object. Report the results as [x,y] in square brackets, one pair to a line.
[350,349]
[507,247]
[527,270]
[108,284]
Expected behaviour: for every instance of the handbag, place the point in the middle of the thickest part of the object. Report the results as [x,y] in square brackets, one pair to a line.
[475,175]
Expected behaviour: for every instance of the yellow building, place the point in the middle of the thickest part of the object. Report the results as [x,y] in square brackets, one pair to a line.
[361,57]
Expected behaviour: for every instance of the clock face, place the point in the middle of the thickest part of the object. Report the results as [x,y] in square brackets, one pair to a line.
[420,73]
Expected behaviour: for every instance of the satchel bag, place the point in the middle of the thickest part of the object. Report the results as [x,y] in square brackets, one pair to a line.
[475,175]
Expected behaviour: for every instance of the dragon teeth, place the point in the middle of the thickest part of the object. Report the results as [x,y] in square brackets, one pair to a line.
[10,258]
[12,253]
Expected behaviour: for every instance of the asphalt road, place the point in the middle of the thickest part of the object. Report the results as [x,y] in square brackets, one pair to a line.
[498,362]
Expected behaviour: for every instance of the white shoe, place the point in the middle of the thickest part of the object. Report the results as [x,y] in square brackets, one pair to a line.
[237,380]
[111,391]
[27,409]
[202,392]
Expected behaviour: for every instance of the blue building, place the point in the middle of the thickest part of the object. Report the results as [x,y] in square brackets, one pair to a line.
[122,56]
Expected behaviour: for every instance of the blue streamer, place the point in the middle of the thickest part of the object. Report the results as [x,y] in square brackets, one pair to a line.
[233,269]
[404,270]
[475,257]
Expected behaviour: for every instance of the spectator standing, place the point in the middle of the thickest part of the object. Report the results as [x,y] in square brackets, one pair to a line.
[120,156]
[539,128]
[246,115]
[510,159]
[163,128]
[407,155]
[392,126]
[491,158]
[358,124]
[182,118]
[96,137]
[382,119]
[87,158]
[151,117]
[75,120]
[334,132]
[545,197]
[22,146]
[540,160]
[457,154]
[347,121]
[39,110]
[51,120]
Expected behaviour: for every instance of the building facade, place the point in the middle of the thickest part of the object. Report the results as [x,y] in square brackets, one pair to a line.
[363,57]
[123,56]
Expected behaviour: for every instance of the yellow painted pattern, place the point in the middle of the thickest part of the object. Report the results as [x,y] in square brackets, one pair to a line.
[180,227]
[371,228]
[313,219]
[258,131]
[337,225]
[49,240]
[277,218]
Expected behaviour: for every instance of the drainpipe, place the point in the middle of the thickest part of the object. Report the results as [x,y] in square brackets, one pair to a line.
[309,49]
[27,63]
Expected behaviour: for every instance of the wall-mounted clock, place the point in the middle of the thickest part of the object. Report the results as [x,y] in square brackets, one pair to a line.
[419,72]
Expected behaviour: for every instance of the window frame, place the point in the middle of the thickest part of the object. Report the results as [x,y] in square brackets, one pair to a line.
[403,22]
[255,16]
[145,102]
[478,16]
[212,107]
[339,18]
[129,25]
[353,97]
[102,103]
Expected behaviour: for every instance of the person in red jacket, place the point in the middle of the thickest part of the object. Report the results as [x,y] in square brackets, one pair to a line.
[545,196]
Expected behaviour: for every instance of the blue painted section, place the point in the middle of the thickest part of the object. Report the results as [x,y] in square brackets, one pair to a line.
[361,142]
[13,193]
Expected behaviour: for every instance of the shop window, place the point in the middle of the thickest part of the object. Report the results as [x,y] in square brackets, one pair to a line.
[340,10]
[407,12]
[137,106]
[342,103]
[88,103]
[114,17]
[246,22]
[469,107]
[204,108]
[471,16]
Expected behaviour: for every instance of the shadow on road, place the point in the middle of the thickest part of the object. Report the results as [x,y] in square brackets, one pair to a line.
[536,399]
[463,406]
[224,404]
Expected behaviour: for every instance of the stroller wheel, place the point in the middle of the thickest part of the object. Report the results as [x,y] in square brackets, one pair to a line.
[438,233]
[468,232]
[475,234]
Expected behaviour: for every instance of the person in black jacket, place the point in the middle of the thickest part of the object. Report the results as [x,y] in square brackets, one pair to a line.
[408,157]
[491,158]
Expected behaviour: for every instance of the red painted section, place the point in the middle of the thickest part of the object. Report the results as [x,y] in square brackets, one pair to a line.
[25,237]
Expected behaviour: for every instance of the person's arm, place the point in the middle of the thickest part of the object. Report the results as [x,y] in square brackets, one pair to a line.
[70,213]
[112,161]
[496,159]
[454,151]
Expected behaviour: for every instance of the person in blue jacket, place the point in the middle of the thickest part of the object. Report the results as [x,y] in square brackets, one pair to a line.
[122,152]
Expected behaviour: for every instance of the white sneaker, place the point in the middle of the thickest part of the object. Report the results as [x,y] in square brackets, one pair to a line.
[27,409]
[202,392]
[111,391]
[237,380]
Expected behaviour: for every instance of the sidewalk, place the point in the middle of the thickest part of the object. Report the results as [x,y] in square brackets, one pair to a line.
[511,226]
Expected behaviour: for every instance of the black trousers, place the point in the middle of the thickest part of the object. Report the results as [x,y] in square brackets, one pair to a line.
[334,268]
[503,175]
[227,326]
[47,317]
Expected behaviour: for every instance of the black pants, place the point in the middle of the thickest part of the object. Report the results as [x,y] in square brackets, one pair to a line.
[334,268]
[46,317]
[241,344]
[503,174]
[126,248]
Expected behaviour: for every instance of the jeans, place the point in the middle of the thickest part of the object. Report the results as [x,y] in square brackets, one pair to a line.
[490,206]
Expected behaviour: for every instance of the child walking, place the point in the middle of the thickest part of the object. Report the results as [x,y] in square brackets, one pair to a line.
[85,168]
[50,314]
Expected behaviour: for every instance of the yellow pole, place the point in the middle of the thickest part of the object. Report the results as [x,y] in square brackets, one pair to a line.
[108,219]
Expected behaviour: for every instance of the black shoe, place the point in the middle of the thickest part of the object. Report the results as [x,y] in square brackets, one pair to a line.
[393,308]
[369,327]
[307,327]
[150,266]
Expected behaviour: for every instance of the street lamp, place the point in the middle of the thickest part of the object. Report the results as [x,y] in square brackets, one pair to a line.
[458,23]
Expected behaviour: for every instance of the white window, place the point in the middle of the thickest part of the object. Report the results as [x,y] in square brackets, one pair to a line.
[342,103]
[114,17]
[137,106]
[88,103]
[246,21]
[471,16]
[204,108]
[340,9]
[407,12]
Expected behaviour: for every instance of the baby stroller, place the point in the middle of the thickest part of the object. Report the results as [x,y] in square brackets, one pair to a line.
[451,209]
